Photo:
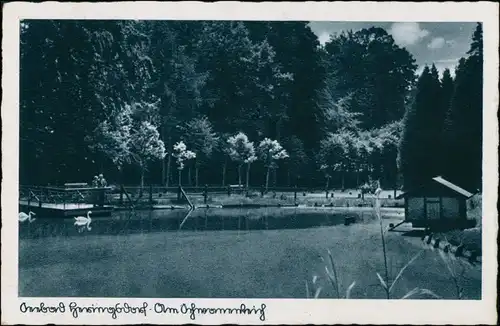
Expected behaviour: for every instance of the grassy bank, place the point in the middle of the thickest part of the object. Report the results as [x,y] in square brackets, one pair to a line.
[348,198]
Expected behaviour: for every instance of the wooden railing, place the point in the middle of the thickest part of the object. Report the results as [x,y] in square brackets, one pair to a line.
[39,195]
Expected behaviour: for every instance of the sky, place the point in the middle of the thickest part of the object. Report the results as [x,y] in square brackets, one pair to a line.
[441,43]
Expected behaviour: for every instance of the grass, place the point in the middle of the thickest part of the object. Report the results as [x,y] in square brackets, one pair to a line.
[232,264]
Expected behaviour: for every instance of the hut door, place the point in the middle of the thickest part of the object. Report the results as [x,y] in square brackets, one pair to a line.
[433,208]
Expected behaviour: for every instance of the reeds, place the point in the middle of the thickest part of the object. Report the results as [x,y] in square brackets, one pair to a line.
[385,282]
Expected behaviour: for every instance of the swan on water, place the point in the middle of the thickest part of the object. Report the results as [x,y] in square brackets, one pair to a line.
[84,221]
[23,217]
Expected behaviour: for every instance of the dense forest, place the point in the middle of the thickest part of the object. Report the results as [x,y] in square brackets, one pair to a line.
[227,102]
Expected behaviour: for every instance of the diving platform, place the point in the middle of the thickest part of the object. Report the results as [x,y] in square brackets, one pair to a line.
[64,202]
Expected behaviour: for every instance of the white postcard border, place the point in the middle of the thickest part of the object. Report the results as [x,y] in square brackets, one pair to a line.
[277,311]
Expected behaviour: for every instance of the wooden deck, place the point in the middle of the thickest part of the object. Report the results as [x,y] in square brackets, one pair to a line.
[64,210]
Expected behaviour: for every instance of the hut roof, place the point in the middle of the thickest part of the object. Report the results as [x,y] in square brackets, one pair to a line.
[443,182]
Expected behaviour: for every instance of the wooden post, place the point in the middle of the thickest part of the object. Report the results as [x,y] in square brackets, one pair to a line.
[179,193]
[262,191]
[229,191]
[295,194]
[151,195]
[205,194]
[101,197]
[121,196]
[40,198]
[29,197]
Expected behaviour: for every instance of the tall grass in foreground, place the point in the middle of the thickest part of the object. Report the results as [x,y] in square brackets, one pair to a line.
[386,283]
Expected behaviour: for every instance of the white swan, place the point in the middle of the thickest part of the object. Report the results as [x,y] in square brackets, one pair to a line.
[23,217]
[84,221]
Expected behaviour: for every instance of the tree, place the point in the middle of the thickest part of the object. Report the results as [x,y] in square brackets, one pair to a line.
[112,137]
[298,162]
[222,152]
[178,81]
[297,53]
[446,89]
[271,151]
[371,67]
[419,149]
[129,137]
[182,154]
[338,153]
[463,128]
[241,151]
[337,112]
[199,136]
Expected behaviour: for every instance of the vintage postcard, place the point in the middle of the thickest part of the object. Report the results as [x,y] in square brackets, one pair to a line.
[249,163]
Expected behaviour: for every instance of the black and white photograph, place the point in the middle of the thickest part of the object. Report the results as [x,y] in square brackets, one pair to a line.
[208,158]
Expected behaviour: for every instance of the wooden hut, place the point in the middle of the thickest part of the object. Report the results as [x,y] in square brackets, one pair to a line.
[437,203]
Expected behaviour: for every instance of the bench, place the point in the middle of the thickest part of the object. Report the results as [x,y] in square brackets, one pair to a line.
[76,185]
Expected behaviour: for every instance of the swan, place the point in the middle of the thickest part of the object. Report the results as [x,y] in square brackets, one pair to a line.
[84,221]
[23,217]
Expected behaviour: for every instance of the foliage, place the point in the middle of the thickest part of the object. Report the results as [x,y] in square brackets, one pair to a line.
[462,135]
[129,136]
[200,137]
[271,151]
[372,72]
[182,154]
[419,155]
[201,82]
[240,149]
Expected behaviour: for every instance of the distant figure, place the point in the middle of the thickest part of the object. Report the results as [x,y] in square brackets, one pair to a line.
[377,192]
[102,181]
[23,217]
[95,182]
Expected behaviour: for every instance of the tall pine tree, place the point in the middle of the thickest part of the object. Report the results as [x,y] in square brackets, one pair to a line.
[419,151]
[463,129]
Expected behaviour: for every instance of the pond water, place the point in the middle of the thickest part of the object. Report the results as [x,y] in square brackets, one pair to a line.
[133,222]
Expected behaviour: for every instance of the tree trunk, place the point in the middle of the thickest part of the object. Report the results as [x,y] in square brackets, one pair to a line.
[288,177]
[357,179]
[327,183]
[239,175]
[197,168]
[163,171]
[248,174]
[169,164]
[180,177]
[343,180]
[275,177]
[190,182]
[267,178]
[142,180]
[224,166]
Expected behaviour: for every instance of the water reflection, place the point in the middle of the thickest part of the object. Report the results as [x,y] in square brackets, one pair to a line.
[132,222]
